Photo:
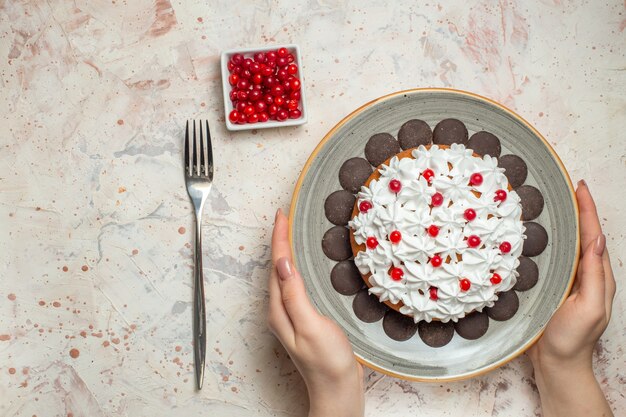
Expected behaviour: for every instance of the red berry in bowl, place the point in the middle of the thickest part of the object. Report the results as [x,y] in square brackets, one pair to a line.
[271,56]
[282,115]
[290,58]
[295,95]
[233,95]
[266,71]
[263,117]
[295,84]
[260,57]
[243,84]
[295,114]
[279,101]
[241,106]
[248,110]
[282,61]
[242,118]
[233,79]
[230,66]
[237,59]
[260,106]
[254,95]
[292,104]
[246,63]
[277,90]
[233,116]
[282,52]
[268,99]
[242,95]
[292,69]
[282,74]
[255,68]
[272,109]
[253,118]
[245,74]
[257,79]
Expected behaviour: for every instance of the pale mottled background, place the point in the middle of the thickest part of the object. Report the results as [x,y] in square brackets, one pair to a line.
[95,243]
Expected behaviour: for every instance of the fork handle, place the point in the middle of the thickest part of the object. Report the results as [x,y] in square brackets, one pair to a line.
[199,316]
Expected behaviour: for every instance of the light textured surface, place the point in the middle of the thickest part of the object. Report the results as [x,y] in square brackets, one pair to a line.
[95,221]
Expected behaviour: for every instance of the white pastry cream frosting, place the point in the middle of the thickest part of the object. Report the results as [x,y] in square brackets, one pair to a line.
[442,233]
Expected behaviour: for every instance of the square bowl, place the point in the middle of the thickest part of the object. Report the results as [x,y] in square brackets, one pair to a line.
[226,87]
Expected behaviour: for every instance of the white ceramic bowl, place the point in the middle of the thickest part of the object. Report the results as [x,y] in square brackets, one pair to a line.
[226,87]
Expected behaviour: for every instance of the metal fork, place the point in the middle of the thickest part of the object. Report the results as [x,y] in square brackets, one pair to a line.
[198,178]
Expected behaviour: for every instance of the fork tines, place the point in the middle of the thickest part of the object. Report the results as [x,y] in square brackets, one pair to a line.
[198,156]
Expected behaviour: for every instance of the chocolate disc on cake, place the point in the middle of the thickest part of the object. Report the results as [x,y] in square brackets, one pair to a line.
[485,143]
[536,239]
[381,147]
[505,307]
[449,131]
[336,243]
[515,169]
[532,201]
[367,307]
[414,133]
[338,207]
[436,333]
[472,326]
[353,174]
[398,326]
[346,278]
[528,274]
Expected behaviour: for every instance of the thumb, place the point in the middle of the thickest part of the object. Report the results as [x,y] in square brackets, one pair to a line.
[592,270]
[294,296]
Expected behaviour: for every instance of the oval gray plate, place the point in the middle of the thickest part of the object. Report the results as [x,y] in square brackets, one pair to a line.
[503,341]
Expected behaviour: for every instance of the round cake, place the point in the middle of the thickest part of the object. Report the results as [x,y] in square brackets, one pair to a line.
[437,232]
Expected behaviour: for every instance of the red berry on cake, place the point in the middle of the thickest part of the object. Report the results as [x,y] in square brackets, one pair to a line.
[496,278]
[395,186]
[500,195]
[365,206]
[473,241]
[465,284]
[469,214]
[436,200]
[436,261]
[395,236]
[433,230]
[396,274]
[371,242]
[428,175]
[505,247]
[476,179]
[433,293]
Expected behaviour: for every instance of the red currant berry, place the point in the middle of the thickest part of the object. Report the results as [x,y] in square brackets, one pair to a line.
[279,101]
[371,242]
[465,284]
[233,95]
[260,106]
[257,79]
[266,71]
[433,230]
[395,236]
[233,116]
[476,179]
[294,95]
[282,52]
[395,186]
[292,104]
[282,115]
[272,109]
[296,84]
[254,95]
[496,278]
[505,247]
[241,106]
[237,70]
[263,117]
[473,241]
[277,90]
[231,66]
[282,61]
[268,99]
[500,195]
[242,118]
[248,110]
[237,59]
[292,69]
[428,175]
[245,74]
[436,200]
[242,95]
[271,56]
[282,74]
[255,68]
[469,214]
[260,57]
[290,58]
[364,206]
[295,114]
[246,63]
[253,118]
[433,293]
[396,274]
[233,79]
[270,81]
[436,261]
[243,84]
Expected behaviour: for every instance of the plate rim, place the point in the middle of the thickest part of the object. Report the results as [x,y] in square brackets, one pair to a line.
[520,350]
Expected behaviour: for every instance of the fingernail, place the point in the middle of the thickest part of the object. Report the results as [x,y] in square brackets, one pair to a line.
[277,213]
[598,248]
[284,268]
[582,183]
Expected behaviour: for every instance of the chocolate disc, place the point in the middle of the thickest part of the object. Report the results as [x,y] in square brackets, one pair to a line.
[528,274]
[338,207]
[346,278]
[353,174]
[381,147]
[367,307]
[515,168]
[505,307]
[449,131]
[536,239]
[485,143]
[472,326]
[436,333]
[336,243]
[414,133]
[398,326]
[531,200]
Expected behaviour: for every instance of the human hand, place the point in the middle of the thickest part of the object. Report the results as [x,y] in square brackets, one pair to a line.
[317,346]
[562,356]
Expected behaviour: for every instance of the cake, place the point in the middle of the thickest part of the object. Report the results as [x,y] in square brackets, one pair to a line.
[437,232]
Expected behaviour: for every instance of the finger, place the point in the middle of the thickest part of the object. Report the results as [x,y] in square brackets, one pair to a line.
[589,223]
[592,284]
[609,280]
[294,296]
[278,319]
